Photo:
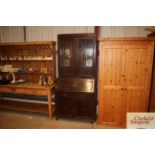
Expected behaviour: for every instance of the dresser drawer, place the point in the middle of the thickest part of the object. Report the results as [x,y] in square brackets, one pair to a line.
[31,91]
[24,91]
[7,90]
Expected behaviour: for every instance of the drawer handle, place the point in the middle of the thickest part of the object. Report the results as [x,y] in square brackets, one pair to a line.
[123,88]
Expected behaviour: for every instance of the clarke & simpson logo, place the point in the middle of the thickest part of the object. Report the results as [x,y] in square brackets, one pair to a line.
[141,120]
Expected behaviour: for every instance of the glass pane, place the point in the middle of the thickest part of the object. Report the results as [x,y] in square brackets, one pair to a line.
[67,52]
[89,63]
[66,62]
[89,52]
[88,56]
[66,57]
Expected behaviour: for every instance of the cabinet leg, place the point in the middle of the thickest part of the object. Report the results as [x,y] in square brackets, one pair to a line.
[57,118]
[92,121]
[49,105]
[1,97]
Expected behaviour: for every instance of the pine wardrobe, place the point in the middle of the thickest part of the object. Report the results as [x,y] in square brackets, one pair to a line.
[125,70]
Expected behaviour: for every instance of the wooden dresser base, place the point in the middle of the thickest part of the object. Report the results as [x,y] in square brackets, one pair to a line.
[28,90]
[24,106]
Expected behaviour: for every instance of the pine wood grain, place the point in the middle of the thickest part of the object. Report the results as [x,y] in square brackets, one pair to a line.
[125,68]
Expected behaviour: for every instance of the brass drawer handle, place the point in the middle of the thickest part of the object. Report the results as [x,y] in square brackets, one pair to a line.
[123,88]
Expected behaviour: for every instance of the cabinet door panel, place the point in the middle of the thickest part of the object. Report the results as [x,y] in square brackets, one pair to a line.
[138,73]
[84,105]
[86,58]
[111,82]
[67,57]
[65,104]
[125,69]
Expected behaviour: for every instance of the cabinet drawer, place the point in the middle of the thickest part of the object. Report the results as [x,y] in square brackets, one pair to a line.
[31,91]
[73,95]
[65,95]
[23,91]
[5,90]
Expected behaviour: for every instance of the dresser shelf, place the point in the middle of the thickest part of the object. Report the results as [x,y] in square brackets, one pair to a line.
[38,67]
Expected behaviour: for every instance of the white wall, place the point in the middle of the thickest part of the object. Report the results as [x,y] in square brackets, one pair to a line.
[48,33]
[11,34]
[39,33]
[123,31]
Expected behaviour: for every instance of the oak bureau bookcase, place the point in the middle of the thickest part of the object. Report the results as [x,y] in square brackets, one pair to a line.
[77,83]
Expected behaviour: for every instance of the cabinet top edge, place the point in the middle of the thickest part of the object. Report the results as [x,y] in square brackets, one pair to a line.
[77,35]
[127,39]
[28,43]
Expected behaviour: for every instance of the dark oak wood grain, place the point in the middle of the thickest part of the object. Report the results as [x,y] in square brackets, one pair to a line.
[76,86]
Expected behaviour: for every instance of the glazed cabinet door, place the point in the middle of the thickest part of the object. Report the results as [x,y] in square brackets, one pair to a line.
[111,84]
[67,57]
[139,58]
[86,57]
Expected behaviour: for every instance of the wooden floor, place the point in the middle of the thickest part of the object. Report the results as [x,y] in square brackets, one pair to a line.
[24,120]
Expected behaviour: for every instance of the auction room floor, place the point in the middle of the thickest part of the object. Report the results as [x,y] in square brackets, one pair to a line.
[24,120]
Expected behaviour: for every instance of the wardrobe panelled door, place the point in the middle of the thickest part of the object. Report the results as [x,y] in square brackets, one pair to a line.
[125,69]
